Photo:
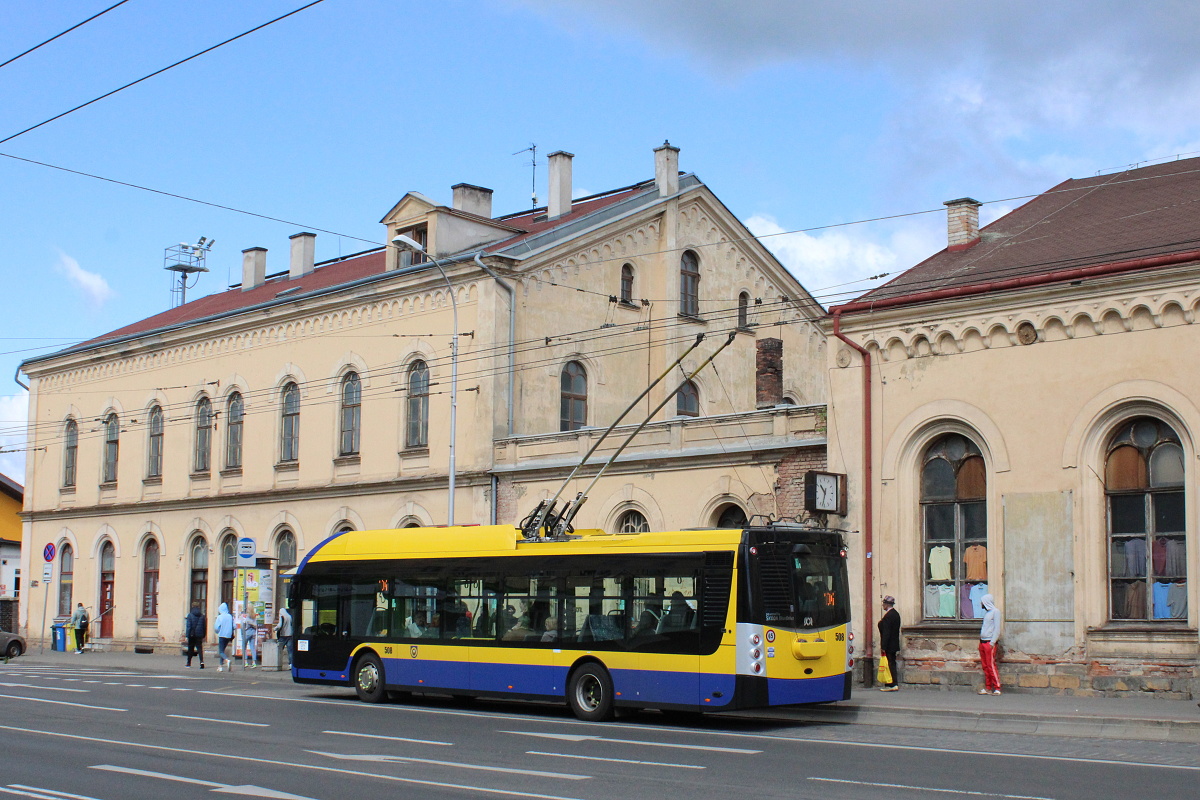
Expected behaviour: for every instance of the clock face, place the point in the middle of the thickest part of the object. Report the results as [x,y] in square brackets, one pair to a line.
[827,492]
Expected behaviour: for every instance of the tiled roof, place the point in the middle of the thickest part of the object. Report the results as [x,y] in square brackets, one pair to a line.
[330,275]
[1132,214]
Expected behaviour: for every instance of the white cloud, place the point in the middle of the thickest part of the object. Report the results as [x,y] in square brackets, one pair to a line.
[824,261]
[14,410]
[90,284]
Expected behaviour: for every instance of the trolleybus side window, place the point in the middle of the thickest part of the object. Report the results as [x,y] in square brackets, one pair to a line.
[319,610]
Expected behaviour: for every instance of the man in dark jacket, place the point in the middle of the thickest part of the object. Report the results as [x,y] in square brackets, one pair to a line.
[889,640]
[196,628]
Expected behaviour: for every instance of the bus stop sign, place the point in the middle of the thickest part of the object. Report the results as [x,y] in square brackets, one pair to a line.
[247,555]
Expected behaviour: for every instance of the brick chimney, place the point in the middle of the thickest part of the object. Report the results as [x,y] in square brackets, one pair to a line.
[560,183]
[254,267]
[962,223]
[304,249]
[666,169]
[768,373]
[473,199]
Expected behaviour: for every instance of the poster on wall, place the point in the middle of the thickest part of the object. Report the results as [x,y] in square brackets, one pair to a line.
[256,589]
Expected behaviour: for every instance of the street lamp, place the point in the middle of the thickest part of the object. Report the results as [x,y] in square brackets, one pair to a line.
[406,243]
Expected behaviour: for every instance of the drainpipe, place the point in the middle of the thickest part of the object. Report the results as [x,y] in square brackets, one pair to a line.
[868,514]
[512,331]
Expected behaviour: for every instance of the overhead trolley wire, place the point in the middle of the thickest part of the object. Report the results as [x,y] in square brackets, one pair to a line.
[64,33]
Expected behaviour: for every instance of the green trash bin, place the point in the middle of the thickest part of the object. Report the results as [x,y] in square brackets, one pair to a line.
[58,638]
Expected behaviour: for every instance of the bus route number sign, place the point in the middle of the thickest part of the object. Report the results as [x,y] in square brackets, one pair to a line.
[48,552]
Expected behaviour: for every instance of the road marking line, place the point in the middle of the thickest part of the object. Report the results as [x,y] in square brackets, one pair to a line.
[29,794]
[223,721]
[60,702]
[457,764]
[52,792]
[615,760]
[388,738]
[255,760]
[132,685]
[43,688]
[91,681]
[931,789]
[221,788]
[181,689]
[575,738]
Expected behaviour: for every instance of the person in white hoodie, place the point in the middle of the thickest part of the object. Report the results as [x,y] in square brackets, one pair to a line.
[224,631]
[989,634]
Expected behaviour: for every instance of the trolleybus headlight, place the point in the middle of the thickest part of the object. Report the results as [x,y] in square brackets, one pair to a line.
[756,667]
[756,653]
[753,551]
[851,636]
[850,649]
[850,663]
[755,638]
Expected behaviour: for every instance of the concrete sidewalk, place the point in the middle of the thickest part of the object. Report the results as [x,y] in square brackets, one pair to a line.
[1147,718]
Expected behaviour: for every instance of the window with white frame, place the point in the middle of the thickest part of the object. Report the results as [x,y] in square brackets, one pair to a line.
[150,559]
[112,443]
[154,446]
[351,415]
[70,453]
[689,284]
[289,430]
[204,431]
[235,410]
[687,400]
[416,428]
[573,397]
[633,521]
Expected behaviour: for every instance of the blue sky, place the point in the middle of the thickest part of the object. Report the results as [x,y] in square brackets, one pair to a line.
[798,114]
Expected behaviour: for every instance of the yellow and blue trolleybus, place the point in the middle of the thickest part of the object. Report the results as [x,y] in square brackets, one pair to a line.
[694,620]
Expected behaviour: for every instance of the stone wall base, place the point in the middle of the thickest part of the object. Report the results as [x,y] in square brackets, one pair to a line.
[1111,677]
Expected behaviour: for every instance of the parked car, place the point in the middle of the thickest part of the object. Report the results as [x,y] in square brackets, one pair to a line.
[11,645]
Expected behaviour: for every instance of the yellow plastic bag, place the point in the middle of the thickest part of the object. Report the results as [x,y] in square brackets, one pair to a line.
[884,673]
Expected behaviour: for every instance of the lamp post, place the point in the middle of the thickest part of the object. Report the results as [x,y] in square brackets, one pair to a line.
[406,243]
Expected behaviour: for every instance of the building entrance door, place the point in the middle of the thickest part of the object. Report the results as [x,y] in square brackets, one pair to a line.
[106,605]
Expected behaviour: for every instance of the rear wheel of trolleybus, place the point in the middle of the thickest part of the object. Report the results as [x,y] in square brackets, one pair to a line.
[368,679]
[590,693]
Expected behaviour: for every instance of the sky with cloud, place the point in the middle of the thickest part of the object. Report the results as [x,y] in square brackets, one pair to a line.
[801,116]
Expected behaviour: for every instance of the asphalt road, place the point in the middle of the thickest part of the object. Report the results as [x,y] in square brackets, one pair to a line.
[73,733]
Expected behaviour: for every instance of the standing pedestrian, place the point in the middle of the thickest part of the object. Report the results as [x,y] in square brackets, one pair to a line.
[195,628]
[79,621]
[989,634]
[249,632]
[224,631]
[889,641]
[283,632]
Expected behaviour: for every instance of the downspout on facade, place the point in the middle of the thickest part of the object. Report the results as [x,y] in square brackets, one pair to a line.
[868,507]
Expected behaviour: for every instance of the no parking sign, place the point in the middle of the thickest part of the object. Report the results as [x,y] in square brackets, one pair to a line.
[48,552]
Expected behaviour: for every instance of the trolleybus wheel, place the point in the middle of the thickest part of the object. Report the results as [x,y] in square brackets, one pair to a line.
[368,679]
[590,693]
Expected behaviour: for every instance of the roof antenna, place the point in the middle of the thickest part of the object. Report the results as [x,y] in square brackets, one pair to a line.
[532,150]
[184,260]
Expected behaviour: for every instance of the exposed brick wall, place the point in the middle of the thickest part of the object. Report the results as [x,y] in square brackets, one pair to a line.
[789,479]
[768,372]
[508,501]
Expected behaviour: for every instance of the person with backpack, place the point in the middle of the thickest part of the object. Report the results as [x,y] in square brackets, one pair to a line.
[195,628]
[79,620]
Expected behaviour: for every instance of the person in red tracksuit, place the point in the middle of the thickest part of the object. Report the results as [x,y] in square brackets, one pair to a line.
[989,634]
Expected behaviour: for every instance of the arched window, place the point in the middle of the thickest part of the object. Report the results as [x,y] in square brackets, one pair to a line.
[345,527]
[954,516]
[633,521]
[204,432]
[1144,477]
[289,431]
[154,450]
[731,516]
[689,284]
[234,415]
[285,550]
[627,283]
[416,429]
[66,579]
[743,310]
[573,409]
[70,452]
[112,441]
[150,580]
[687,400]
[228,566]
[199,582]
[351,415]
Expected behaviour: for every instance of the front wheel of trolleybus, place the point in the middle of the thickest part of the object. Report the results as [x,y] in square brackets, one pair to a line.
[368,679]
[590,693]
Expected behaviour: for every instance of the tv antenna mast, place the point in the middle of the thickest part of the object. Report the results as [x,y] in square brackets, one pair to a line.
[185,260]
[532,150]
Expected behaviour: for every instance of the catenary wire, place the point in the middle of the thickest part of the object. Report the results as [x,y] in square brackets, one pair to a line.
[63,33]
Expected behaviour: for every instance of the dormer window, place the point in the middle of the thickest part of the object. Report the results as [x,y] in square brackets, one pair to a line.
[420,235]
